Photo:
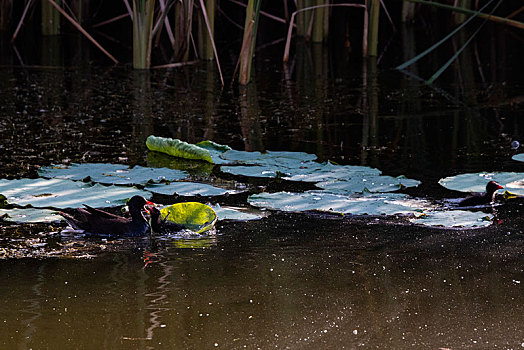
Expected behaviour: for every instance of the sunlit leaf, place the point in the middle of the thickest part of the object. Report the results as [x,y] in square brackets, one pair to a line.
[476,182]
[316,172]
[371,204]
[281,158]
[519,157]
[372,183]
[187,189]
[177,148]
[227,213]
[195,216]
[111,173]
[453,218]
[29,215]
[60,193]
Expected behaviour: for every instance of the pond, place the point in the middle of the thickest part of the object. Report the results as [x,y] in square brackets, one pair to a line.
[289,280]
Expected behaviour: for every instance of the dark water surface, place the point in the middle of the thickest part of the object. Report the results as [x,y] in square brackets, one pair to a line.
[294,281]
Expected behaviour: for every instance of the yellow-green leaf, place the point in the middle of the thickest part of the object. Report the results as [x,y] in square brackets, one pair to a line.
[194,216]
[177,148]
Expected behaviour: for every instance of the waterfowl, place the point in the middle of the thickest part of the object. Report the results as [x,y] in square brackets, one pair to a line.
[162,226]
[97,221]
[482,198]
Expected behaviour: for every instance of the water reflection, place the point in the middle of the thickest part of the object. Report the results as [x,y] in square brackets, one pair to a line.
[290,281]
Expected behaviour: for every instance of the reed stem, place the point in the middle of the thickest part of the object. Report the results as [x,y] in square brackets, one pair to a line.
[50,19]
[318,24]
[374,12]
[143,11]
[183,24]
[6,7]
[249,41]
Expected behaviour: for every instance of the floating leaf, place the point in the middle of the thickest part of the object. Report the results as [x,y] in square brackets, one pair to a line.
[453,218]
[60,193]
[373,204]
[111,173]
[29,215]
[177,148]
[226,213]
[213,146]
[518,157]
[187,189]
[282,158]
[316,172]
[476,182]
[194,216]
[255,170]
[372,183]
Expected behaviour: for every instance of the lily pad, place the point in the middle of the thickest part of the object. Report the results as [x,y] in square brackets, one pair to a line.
[111,173]
[316,172]
[188,189]
[227,213]
[29,215]
[303,171]
[372,183]
[177,148]
[518,157]
[267,171]
[454,218]
[277,158]
[372,204]
[60,193]
[476,182]
[195,216]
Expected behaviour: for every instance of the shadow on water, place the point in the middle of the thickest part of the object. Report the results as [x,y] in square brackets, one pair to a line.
[289,280]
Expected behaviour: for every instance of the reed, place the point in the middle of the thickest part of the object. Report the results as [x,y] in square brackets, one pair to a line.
[408,11]
[205,47]
[458,16]
[249,41]
[183,25]
[6,7]
[319,28]
[50,18]
[143,11]
[374,17]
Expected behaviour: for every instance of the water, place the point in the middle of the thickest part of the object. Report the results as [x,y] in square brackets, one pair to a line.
[290,280]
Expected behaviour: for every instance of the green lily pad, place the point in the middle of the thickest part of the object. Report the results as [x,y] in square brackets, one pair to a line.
[267,171]
[228,213]
[518,157]
[372,183]
[188,189]
[454,218]
[476,182]
[213,146]
[60,193]
[277,158]
[303,171]
[111,173]
[194,216]
[29,215]
[177,148]
[316,172]
[372,204]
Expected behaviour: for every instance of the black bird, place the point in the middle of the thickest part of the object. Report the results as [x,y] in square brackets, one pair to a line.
[162,226]
[97,221]
[482,198]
